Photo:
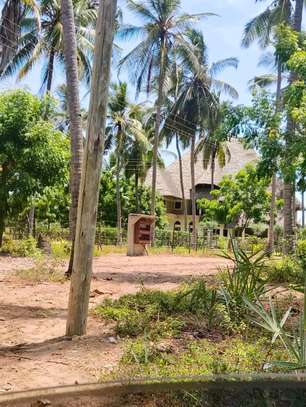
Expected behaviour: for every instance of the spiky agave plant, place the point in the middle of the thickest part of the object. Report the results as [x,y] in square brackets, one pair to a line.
[294,343]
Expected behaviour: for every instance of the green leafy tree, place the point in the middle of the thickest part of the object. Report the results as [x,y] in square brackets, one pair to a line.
[107,200]
[33,155]
[241,199]
[291,50]
[262,29]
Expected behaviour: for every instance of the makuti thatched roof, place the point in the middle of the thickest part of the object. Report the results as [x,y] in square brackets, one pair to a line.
[168,180]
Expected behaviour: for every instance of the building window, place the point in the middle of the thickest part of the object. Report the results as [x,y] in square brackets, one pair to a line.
[177,226]
[178,205]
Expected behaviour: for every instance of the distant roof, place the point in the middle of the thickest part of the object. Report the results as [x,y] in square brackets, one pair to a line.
[168,180]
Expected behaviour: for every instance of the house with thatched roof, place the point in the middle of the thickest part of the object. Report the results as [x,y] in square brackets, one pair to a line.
[168,181]
[169,187]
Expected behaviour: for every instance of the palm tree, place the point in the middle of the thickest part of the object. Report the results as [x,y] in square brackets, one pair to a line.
[74,109]
[45,43]
[197,98]
[261,29]
[124,130]
[169,133]
[162,32]
[13,13]
[213,145]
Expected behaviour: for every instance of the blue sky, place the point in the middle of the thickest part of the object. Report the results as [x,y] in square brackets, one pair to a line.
[222,34]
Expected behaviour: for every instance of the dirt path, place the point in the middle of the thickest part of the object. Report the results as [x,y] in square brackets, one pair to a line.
[33,352]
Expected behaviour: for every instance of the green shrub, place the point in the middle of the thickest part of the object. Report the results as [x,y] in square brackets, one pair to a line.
[149,311]
[284,270]
[60,249]
[301,253]
[22,248]
[163,314]
[253,244]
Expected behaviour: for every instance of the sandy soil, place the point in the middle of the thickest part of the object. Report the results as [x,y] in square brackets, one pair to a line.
[33,351]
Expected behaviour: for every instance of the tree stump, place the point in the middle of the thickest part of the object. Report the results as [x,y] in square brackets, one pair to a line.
[44,245]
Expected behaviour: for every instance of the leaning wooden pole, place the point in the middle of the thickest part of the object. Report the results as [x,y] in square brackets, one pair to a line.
[91,172]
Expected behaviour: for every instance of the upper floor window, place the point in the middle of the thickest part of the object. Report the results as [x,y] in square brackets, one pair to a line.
[178,205]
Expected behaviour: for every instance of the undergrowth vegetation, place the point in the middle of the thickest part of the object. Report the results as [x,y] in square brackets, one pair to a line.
[21,248]
[43,271]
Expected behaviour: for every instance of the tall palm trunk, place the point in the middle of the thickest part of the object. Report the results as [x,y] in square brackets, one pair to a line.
[118,198]
[270,246]
[50,70]
[213,169]
[181,180]
[193,192]
[76,144]
[137,206]
[91,172]
[288,184]
[159,104]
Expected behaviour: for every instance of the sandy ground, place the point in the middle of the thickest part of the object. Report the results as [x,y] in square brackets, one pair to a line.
[33,351]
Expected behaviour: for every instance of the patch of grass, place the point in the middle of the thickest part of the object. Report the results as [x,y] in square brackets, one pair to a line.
[154,312]
[198,357]
[105,250]
[183,251]
[43,271]
[193,307]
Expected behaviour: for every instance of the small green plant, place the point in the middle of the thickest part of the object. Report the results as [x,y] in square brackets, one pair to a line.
[242,280]
[21,248]
[294,343]
[201,300]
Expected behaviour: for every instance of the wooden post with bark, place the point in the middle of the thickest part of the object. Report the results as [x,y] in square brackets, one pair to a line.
[91,172]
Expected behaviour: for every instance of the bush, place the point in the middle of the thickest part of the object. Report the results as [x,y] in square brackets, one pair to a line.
[22,248]
[301,253]
[60,249]
[253,244]
[284,270]
[163,314]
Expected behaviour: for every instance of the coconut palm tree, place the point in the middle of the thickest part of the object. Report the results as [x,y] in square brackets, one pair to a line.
[12,15]
[161,33]
[124,129]
[261,29]
[45,43]
[74,109]
[197,98]
[213,145]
